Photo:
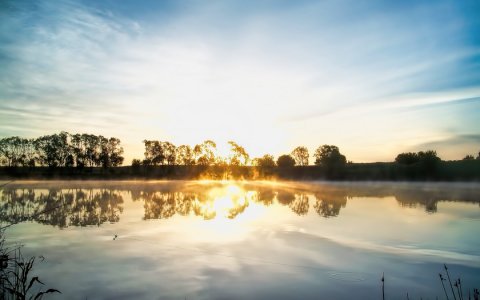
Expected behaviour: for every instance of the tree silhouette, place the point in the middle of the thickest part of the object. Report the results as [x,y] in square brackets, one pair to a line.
[169,151]
[205,153]
[407,158]
[329,155]
[239,156]
[153,153]
[53,150]
[16,151]
[136,163]
[423,163]
[300,154]
[185,156]
[331,159]
[265,162]
[111,152]
[285,161]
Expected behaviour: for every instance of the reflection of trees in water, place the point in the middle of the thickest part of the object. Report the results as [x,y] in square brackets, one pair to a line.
[95,208]
[16,205]
[285,197]
[62,208]
[264,195]
[300,204]
[329,205]
[239,204]
[165,204]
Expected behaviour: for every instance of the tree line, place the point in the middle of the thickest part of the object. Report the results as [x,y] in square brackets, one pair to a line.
[89,150]
[165,153]
[61,150]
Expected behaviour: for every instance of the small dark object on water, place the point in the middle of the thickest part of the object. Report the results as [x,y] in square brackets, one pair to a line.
[115,237]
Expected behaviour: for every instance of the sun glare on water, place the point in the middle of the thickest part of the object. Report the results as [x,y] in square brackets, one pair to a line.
[229,214]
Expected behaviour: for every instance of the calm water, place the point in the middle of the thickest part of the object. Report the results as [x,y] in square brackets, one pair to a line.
[234,240]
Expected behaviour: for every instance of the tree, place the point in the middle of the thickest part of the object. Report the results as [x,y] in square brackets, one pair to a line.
[205,153]
[300,154]
[115,152]
[422,163]
[53,150]
[429,160]
[329,155]
[16,151]
[78,149]
[111,152]
[153,153]
[330,158]
[266,161]
[285,161]
[407,158]
[185,155]
[265,165]
[136,163]
[239,156]
[169,152]
[469,157]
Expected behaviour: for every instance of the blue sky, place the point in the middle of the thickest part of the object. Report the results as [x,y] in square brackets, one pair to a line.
[374,77]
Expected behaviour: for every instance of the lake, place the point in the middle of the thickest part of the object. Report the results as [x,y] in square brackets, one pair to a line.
[245,240]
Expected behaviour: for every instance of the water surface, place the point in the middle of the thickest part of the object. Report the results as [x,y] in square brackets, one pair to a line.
[245,240]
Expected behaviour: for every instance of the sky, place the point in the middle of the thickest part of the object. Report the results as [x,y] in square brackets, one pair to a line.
[375,78]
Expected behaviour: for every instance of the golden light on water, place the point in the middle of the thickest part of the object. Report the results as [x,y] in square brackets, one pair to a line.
[230,211]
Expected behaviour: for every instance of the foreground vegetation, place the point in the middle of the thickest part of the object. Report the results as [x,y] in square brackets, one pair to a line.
[90,156]
[16,278]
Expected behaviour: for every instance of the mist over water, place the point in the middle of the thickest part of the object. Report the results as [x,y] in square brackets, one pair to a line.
[245,240]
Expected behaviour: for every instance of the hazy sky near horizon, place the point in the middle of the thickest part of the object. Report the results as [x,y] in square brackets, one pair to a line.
[373,77]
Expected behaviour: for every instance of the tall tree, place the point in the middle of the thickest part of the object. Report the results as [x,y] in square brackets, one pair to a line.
[111,152]
[78,149]
[238,157]
[153,153]
[169,152]
[206,152]
[185,155]
[300,154]
[92,150]
[16,151]
[115,151]
[53,150]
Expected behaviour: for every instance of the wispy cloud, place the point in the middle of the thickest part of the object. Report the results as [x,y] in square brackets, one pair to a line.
[279,72]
